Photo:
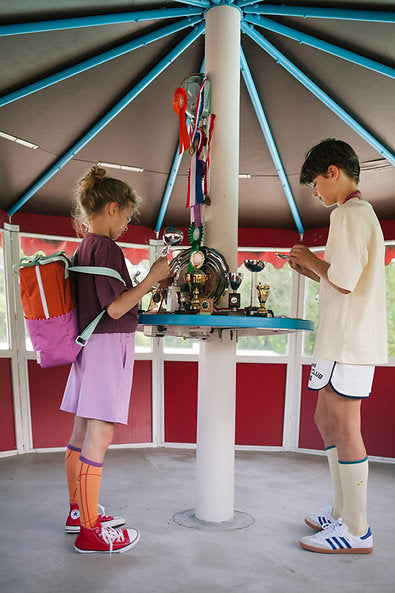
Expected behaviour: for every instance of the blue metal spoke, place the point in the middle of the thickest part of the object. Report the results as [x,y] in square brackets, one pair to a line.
[376,16]
[242,3]
[170,181]
[317,91]
[269,140]
[98,20]
[202,3]
[99,59]
[330,48]
[128,98]
[168,189]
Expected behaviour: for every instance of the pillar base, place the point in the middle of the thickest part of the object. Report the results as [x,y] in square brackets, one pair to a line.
[188,519]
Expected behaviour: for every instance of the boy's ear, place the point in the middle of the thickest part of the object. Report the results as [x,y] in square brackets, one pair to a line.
[333,171]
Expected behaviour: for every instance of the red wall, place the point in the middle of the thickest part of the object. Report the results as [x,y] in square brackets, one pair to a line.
[260,390]
[378,415]
[52,428]
[7,432]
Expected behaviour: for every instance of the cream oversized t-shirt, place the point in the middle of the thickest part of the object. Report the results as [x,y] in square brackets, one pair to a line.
[352,328]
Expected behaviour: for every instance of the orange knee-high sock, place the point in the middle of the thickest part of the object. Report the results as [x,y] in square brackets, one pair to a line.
[88,484]
[71,461]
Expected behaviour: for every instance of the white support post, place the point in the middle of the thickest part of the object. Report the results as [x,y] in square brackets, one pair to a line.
[157,369]
[217,364]
[20,382]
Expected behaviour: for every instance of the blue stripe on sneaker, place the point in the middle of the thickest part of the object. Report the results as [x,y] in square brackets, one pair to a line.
[337,542]
[332,545]
[367,534]
[345,542]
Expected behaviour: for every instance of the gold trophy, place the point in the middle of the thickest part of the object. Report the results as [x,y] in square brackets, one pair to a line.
[263,293]
[196,282]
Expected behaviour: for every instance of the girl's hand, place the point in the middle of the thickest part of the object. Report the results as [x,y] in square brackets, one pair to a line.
[160,271]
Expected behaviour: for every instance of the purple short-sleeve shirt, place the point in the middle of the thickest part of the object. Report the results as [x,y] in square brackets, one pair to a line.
[96,292]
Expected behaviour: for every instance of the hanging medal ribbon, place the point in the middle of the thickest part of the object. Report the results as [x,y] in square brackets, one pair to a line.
[179,106]
[208,147]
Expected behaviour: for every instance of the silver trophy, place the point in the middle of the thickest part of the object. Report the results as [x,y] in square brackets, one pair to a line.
[235,279]
[254,266]
[171,238]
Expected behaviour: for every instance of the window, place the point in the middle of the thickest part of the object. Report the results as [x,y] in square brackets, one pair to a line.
[278,275]
[4,340]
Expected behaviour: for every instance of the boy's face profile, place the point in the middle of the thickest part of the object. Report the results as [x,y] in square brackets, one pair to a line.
[325,185]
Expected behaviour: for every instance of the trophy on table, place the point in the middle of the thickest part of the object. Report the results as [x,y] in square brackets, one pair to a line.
[171,238]
[196,281]
[254,266]
[263,293]
[235,279]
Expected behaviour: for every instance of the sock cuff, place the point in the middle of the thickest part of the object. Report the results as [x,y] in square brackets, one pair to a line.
[331,447]
[89,462]
[72,448]
[353,462]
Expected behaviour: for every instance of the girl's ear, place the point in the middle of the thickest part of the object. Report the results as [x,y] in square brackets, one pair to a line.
[112,208]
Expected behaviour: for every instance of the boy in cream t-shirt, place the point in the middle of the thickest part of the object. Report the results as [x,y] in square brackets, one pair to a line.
[351,340]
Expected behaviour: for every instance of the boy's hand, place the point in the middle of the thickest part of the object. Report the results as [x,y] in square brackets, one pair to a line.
[300,256]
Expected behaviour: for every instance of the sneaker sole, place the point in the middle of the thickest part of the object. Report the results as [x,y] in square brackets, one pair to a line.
[119,551]
[114,523]
[343,551]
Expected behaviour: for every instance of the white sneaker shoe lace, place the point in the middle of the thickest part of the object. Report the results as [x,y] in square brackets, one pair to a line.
[330,530]
[110,535]
[102,510]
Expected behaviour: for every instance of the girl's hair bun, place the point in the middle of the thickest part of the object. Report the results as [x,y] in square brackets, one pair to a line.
[94,174]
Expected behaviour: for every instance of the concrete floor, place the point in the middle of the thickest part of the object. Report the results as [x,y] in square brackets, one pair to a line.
[148,486]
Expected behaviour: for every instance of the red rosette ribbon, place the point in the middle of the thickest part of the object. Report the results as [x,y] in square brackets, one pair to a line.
[179,106]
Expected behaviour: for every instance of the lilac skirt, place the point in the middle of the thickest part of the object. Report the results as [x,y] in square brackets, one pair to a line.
[100,381]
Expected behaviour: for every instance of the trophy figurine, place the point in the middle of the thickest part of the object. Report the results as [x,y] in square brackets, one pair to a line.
[171,238]
[254,266]
[196,282]
[263,293]
[235,279]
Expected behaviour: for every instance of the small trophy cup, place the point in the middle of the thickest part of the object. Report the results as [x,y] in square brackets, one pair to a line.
[254,266]
[171,238]
[263,293]
[235,279]
[196,282]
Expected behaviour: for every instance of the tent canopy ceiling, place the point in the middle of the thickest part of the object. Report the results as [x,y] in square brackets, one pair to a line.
[144,133]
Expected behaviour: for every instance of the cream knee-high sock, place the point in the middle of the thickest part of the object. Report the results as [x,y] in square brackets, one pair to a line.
[354,478]
[337,506]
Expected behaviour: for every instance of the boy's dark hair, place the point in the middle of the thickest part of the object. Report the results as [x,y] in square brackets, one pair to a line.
[326,153]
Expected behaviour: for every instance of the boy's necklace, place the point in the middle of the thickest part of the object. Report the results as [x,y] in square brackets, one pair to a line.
[354,193]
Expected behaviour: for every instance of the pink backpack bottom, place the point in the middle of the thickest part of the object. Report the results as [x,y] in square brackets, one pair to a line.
[53,339]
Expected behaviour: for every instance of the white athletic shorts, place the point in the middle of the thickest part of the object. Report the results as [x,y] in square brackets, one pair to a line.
[349,380]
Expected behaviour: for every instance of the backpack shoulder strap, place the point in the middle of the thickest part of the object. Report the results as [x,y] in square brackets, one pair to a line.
[98,270]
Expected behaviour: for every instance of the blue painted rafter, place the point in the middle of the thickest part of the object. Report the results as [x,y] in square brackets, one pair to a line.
[317,91]
[377,16]
[98,20]
[263,122]
[128,98]
[98,59]
[330,48]
[201,3]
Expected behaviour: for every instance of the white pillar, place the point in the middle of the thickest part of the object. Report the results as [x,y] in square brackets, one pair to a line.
[217,364]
